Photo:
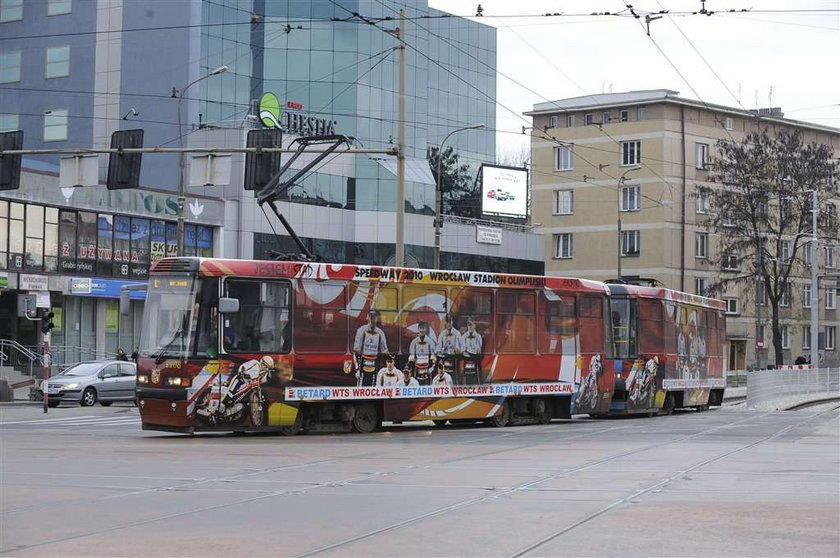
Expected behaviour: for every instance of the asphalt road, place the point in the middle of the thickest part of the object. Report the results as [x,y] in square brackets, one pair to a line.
[728,482]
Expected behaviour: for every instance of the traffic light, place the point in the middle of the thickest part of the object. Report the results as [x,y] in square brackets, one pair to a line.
[10,164]
[47,322]
[260,167]
[124,168]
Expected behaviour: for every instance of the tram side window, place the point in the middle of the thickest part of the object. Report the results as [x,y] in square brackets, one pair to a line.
[558,322]
[262,323]
[383,300]
[651,327]
[623,322]
[592,324]
[422,305]
[320,318]
[517,322]
[476,304]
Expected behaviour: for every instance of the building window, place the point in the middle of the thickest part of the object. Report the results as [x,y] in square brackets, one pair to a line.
[630,243]
[785,337]
[564,157]
[728,218]
[630,198]
[606,117]
[830,337]
[552,121]
[731,306]
[587,119]
[564,202]
[59,7]
[701,198]
[830,300]
[11,10]
[55,125]
[806,256]
[58,62]
[806,337]
[624,115]
[785,300]
[760,294]
[787,248]
[10,66]
[9,122]
[727,123]
[563,245]
[570,121]
[631,153]
[641,113]
[806,296]
[730,262]
[700,286]
[701,245]
[829,256]
[702,159]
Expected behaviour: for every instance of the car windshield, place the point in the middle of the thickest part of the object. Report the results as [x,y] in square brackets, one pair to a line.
[180,317]
[83,369]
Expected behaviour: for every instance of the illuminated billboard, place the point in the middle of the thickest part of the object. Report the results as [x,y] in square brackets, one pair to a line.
[504,191]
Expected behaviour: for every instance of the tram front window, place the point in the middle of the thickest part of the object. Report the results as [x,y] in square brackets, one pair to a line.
[180,319]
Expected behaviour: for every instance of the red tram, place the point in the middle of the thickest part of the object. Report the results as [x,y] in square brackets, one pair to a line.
[237,345]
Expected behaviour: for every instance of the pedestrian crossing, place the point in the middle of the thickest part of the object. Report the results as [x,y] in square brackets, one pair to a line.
[85,422]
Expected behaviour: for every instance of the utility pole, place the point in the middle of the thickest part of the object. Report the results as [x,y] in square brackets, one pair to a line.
[815,282]
[400,247]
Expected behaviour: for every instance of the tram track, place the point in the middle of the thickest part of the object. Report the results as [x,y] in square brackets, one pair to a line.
[516,488]
[489,494]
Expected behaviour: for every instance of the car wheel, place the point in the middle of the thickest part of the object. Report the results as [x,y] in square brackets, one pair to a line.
[105,403]
[88,397]
[53,403]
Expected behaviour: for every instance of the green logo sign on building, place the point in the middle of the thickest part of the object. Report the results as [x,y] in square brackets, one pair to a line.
[273,116]
[270,110]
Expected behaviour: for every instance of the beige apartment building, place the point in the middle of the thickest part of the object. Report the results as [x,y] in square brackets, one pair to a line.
[633,162]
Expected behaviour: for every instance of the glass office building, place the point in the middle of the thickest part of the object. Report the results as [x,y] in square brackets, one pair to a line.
[321,60]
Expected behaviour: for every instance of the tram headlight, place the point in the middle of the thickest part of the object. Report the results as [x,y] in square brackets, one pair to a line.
[178,381]
[142,378]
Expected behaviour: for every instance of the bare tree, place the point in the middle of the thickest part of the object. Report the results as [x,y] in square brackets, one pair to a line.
[761,213]
[460,195]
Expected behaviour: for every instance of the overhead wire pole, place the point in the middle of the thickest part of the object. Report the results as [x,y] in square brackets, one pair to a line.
[399,257]
[815,284]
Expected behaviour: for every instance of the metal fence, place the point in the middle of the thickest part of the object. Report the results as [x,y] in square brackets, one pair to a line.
[781,388]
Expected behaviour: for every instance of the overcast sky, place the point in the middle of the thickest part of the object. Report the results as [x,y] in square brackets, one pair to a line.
[787,59]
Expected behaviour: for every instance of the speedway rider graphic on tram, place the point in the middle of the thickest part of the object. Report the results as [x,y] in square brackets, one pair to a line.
[450,347]
[421,353]
[227,398]
[369,345]
[472,341]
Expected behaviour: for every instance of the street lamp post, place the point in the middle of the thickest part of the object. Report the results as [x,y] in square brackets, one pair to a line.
[182,172]
[439,191]
[618,221]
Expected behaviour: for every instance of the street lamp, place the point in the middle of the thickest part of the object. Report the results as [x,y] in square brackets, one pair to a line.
[618,188]
[182,173]
[439,192]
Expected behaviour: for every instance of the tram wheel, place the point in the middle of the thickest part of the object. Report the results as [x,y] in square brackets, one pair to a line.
[441,422]
[668,407]
[366,418]
[542,410]
[502,419]
[295,427]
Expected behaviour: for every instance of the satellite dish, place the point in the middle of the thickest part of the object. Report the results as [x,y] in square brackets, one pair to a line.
[410,261]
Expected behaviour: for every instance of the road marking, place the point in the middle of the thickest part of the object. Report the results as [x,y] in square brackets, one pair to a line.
[75,421]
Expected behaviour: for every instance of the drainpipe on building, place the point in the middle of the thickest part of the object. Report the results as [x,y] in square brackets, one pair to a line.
[682,201]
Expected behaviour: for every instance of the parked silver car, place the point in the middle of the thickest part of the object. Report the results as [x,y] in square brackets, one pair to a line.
[86,383]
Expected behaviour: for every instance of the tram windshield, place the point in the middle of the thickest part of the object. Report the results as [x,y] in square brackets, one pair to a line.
[181,318]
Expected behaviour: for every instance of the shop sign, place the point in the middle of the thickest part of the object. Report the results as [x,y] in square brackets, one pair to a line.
[103,288]
[28,282]
[273,116]
[488,235]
